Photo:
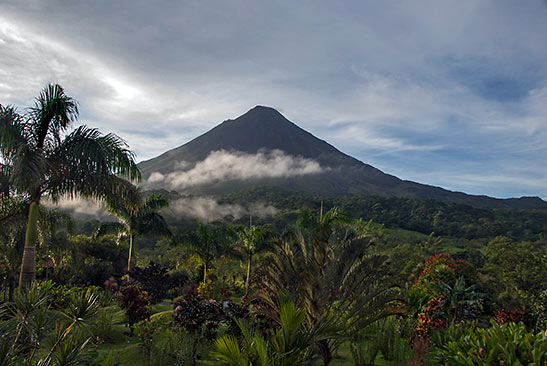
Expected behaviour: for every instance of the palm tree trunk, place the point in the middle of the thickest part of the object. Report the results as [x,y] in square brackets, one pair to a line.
[249,263]
[325,351]
[28,265]
[204,271]
[130,251]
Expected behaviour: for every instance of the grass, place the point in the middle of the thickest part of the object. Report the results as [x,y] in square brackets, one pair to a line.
[125,349]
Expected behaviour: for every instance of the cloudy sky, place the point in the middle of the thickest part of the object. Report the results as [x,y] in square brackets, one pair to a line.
[448,93]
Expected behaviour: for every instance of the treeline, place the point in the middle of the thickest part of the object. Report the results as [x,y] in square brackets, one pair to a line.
[424,216]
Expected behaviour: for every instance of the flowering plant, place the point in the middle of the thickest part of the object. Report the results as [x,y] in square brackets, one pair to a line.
[433,317]
[443,268]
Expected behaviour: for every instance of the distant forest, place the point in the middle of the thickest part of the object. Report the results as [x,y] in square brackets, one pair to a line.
[424,216]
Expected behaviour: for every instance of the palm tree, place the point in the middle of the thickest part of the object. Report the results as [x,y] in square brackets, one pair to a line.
[137,217]
[41,160]
[328,267]
[250,241]
[207,243]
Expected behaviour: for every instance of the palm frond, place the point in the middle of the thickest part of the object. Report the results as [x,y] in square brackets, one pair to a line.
[91,165]
[106,228]
[155,203]
[12,133]
[152,223]
[53,113]
[28,169]
[85,151]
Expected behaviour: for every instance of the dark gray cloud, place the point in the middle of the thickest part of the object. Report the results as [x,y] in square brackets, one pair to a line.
[419,89]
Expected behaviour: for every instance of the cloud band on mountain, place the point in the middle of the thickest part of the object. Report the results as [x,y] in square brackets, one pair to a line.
[207,209]
[223,165]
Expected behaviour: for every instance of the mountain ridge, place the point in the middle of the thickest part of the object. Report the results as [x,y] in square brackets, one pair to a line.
[265,129]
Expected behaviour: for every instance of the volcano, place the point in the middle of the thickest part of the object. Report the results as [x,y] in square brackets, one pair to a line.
[262,149]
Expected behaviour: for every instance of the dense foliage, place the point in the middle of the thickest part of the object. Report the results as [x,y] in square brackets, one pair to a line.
[374,279]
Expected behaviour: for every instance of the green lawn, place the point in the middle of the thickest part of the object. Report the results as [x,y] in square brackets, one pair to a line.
[125,348]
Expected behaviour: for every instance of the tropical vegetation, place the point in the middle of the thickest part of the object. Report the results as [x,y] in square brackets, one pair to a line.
[327,281]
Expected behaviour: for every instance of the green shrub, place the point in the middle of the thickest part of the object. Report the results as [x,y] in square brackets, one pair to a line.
[509,344]
[539,311]
[452,333]
[389,337]
[102,327]
[365,346]
[393,339]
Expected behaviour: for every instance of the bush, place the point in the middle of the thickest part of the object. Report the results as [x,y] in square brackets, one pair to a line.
[509,316]
[198,316]
[153,279]
[136,304]
[101,328]
[94,260]
[443,268]
[387,336]
[177,280]
[201,318]
[393,339]
[433,317]
[509,344]
[539,311]
[365,345]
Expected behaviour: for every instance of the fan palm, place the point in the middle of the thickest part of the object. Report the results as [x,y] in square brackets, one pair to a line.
[42,159]
[138,216]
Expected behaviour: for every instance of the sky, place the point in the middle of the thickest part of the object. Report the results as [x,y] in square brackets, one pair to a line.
[446,93]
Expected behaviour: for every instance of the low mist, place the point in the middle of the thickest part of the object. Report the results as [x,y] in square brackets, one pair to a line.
[235,165]
[207,209]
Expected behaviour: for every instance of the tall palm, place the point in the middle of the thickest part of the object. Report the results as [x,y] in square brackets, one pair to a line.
[208,243]
[54,227]
[41,158]
[138,216]
[250,241]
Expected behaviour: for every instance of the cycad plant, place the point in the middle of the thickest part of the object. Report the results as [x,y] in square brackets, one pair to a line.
[331,270]
[40,158]
[288,345]
[35,334]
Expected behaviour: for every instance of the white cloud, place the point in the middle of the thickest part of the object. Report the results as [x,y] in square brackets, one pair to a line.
[224,165]
[207,209]
[80,206]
